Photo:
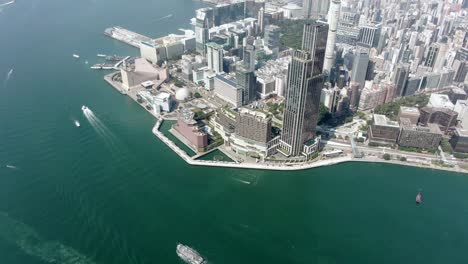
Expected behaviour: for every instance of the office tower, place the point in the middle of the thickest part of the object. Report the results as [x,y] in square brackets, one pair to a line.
[302,104]
[369,35]
[400,78]
[252,7]
[315,8]
[314,41]
[333,15]
[355,95]
[214,56]
[202,26]
[305,83]
[261,20]
[272,36]
[246,80]
[360,64]
[431,55]
[307,8]
[249,53]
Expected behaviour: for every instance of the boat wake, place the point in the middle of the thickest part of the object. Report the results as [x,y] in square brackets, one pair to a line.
[7,3]
[11,167]
[109,138]
[31,243]
[162,18]
[8,77]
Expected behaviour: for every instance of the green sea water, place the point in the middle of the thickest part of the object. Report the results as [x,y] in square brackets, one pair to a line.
[110,192]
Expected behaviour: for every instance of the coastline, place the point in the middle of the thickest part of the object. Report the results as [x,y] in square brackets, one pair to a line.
[264,166]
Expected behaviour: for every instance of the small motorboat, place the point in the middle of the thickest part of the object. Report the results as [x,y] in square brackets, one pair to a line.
[77,124]
[84,108]
[419,198]
[76,56]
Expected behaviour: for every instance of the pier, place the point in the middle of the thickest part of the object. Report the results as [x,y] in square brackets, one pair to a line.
[126,36]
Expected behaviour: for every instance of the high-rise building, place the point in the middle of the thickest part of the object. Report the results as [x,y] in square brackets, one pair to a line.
[315,8]
[202,26]
[369,35]
[248,56]
[360,63]
[333,15]
[400,78]
[246,80]
[253,125]
[302,104]
[305,83]
[261,20]
[314,41]
[214,56]
[272,36]
[431,55]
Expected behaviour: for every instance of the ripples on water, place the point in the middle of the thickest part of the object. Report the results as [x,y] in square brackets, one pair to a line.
[31,243]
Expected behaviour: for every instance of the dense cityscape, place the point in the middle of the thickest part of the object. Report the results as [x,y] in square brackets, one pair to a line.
[287,85]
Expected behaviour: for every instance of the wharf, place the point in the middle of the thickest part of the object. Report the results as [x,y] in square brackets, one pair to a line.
[126,36]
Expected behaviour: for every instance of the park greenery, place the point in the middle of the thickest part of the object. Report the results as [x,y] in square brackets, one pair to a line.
[291,33]
[387,156]
[178,82]
[392,109]
[446,147]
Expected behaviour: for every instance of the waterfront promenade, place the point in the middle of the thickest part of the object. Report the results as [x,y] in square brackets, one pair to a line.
[414,159]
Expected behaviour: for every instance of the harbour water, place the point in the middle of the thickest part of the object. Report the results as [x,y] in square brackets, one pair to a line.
[109,192]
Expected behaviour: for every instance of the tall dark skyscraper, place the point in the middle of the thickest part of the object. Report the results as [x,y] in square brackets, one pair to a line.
[314,41]
[400,78]
[305,83]
[246,80]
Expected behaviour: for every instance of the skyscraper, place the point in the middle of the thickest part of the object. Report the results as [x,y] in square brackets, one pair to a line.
[305,83]
[214,56]
[315,8]
[202,26]
[272,36]
[400,78]
[249,53]
[245,80]
[359,70]
[333,15]
[314,41]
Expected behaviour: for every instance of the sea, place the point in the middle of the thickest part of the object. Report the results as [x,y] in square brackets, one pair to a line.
[109,192]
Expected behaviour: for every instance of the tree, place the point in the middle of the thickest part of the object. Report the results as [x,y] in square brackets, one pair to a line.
[197,95]
[386,156]
[324,114]
[403,159]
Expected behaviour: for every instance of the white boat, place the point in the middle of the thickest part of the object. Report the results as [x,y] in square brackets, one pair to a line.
[76,56]
[189,255]
[101,55]
[77,124]
[84,108]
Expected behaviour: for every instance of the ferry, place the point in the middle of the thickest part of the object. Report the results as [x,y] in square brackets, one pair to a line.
[76,56]
[189,255]
[101,55]
[97,66]
[77,124]
[419,198]
[84,108]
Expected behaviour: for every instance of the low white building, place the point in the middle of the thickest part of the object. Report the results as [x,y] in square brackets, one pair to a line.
[159,102]
[461,107]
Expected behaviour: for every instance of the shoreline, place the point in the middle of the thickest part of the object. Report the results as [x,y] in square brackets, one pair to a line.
[263,166]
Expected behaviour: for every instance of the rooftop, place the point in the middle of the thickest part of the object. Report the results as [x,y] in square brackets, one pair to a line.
[381,120]
[412,110]
[440,101]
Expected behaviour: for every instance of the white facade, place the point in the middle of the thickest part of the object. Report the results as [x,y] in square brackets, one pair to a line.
[461,107]
[333,15]
[214,55]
